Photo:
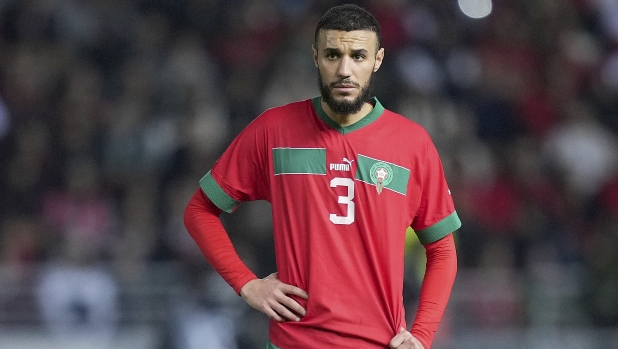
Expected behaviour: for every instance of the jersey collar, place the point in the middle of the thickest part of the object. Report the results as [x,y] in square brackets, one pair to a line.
[378,109]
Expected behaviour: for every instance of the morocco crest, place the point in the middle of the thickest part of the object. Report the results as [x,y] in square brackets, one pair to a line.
[381,175]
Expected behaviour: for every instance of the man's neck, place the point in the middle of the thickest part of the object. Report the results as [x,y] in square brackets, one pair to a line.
[345,120]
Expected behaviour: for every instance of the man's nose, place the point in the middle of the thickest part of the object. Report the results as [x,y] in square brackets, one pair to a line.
[344,70]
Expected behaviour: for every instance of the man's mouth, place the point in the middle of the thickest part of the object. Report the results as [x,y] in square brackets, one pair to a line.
[344,88]
[339,85]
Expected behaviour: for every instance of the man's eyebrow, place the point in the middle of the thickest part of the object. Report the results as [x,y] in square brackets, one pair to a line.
[330,50]
[360,51]
[333,50]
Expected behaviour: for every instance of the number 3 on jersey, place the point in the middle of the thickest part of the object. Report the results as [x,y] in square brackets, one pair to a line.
[345,200]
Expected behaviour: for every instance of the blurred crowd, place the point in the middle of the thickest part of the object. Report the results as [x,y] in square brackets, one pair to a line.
[111,111]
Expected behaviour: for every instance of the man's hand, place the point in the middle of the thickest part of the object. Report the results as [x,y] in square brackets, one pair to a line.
[405,340]
[270,296]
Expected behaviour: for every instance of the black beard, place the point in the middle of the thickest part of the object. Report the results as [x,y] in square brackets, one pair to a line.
[345,107]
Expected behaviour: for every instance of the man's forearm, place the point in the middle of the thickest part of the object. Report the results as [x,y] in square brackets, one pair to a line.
[203,224]
[436,288]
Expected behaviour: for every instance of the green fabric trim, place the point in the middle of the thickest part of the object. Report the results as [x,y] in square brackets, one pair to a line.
[377,111]
[299,160]
[439,230]
[269,345]
[216,194]
[398,181]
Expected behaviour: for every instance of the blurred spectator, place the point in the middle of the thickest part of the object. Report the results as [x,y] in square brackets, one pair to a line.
[75,292]
[582,150]
[78,299]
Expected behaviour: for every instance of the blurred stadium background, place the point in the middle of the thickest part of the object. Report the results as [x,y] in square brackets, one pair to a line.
[112,110]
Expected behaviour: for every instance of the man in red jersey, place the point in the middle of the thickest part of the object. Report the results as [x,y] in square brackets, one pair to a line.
[345,178]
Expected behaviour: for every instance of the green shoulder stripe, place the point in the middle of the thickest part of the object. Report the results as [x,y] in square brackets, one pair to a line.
[439,230]
[217,195]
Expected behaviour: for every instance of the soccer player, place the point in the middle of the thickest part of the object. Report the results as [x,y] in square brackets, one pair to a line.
[345,178]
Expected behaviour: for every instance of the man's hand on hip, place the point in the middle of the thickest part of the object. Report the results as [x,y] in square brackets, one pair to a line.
[405,340]
[270,296]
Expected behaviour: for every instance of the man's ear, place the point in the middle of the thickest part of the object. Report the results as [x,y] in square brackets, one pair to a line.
[379,59]
[315,55]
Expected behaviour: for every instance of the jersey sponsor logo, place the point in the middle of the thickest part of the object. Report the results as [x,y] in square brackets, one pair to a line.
[342,167]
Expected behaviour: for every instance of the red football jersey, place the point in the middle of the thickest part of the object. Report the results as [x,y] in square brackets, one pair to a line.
[342,198]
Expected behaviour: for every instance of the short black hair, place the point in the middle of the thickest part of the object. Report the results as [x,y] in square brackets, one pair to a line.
[347,18]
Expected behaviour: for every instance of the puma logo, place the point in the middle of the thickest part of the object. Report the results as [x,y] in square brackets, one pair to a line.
[342,167]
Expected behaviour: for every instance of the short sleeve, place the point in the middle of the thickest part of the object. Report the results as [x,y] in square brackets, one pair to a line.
[241,173]
[436,216]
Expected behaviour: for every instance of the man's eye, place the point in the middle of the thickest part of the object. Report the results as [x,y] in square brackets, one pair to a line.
[331,56]
[359,57]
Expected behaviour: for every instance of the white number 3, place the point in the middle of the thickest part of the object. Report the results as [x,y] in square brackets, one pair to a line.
[346,200]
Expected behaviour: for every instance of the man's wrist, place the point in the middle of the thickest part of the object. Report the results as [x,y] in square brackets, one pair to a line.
[419,337]
[241,282]
[243,288]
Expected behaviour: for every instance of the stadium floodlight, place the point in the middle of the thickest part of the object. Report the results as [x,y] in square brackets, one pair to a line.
[475,8]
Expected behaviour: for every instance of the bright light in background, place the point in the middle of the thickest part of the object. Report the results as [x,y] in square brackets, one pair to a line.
[475,8]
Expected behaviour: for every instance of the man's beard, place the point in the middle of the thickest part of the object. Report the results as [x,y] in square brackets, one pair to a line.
[345,107]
